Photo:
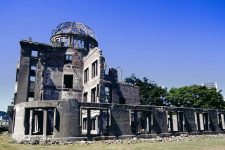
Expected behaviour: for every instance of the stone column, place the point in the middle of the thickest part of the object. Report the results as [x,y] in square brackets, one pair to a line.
[45,122]
[108,121]
[214,124]
[88,123]
[136,121]
[30,122]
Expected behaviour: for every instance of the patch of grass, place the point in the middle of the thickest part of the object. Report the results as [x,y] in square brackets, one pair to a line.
[201,143]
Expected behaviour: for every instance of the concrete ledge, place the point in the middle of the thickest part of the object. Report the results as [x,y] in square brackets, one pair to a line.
[207,132]
[165,134]
[126,136]
[98,138]
[175,133]
[70,139]
[194,133]
[147,136]
[218,132]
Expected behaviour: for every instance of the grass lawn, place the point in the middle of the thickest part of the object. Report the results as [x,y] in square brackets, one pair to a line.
[201,143]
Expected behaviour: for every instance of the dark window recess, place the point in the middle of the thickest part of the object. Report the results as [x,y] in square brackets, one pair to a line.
[181,121]
[91,45]
[33,71]
[86,75]
[93,123]
[140,122]
[31,86]
[206,121]
[93,95]
[17,71]
[50,121]
[31,94]
[68,59]
[122,100]
[84,123]
[85,97]
[26,121]
[94,69]
[68,81]
[97,95]
[57,120]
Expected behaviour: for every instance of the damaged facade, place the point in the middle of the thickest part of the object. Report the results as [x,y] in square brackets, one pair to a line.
[64,90]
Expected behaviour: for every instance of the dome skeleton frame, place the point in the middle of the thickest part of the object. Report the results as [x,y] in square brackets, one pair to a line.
[74,28]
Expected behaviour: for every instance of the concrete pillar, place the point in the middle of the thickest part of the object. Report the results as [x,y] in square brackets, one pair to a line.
[120,121]
[191,120]
[88,122]
[108,121]
[30,122]
[213,117]
[45,122]
[160,121]
[100,125]
[136,121]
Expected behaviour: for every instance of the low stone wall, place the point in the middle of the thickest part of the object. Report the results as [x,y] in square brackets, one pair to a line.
[65,120]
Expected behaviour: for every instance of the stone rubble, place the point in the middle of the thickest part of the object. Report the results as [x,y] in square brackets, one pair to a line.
[134,140]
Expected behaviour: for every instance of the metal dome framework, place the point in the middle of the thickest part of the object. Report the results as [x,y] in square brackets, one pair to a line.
[74,28]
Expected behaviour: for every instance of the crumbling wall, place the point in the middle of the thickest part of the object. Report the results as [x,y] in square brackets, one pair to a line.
[125,94]
[68,119]
[120,121]
[23,76]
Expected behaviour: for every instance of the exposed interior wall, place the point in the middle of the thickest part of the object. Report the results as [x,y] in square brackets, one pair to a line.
[125,94]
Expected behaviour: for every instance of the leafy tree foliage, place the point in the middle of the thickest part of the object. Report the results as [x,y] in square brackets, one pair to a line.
[150,92]
[188,96]
[195,96]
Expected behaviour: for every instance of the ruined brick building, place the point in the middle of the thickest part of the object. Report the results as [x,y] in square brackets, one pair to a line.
[64,90]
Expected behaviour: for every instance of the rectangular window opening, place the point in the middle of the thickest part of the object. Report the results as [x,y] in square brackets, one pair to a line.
[33,68]
[68,81]
[50,121]
[37,122]
[32,78]
[65,41]
[68,58]
[86,75]
[93,123]
[84,127]
[95,69]
[140,122]
[85,97]
[108,94]
[181,121]
[78,43]
[34,53]
[33,71]
[93,95]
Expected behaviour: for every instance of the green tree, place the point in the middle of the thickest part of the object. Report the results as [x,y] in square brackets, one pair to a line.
[150,92]
[195,96]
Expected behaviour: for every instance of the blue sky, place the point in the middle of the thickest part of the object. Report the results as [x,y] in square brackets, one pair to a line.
[172,42]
